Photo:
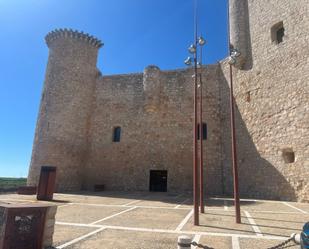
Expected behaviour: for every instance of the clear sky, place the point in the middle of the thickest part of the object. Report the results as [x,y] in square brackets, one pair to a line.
[136,33]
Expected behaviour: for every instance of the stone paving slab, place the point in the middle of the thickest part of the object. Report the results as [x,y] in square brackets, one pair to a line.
[64,234]
[156,203]
[303,206]
[149,218]
[260,205]
[96,199]
[186,203]
[210,242]
[119,239]
[249,205]
[162,201]
[263,244]
[279,224]
[217,204]
[118,198]
[127,240]
[209,203]
[220,222]
[161,213]
[85,214]
[265,206]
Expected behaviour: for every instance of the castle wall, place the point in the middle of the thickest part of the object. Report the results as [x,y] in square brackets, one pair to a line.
[61,137]
[80,109]
[156,134]
[272,105]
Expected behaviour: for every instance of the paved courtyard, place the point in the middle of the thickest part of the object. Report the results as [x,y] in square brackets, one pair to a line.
[155,220]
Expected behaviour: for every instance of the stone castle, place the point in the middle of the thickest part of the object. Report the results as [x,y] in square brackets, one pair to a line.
[125,131]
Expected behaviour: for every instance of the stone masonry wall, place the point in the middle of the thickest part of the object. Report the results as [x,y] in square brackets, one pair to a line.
[272,96]
[80,109]
[156,133]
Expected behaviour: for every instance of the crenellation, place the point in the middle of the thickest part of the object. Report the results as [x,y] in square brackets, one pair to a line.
[69,33]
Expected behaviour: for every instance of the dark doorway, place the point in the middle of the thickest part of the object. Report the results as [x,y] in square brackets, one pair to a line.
[158,180]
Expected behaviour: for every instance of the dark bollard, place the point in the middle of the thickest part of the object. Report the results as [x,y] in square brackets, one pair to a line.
[47,182]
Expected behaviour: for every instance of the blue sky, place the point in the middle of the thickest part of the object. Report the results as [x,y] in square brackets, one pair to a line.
[136,33]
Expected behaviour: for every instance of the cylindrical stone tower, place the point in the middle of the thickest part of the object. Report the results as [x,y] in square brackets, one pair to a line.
[239,31]
[63,122]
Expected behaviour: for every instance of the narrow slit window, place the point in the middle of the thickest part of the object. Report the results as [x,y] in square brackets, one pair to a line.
[277,33]
[204,131]
[288,155]
[117,134]
[280,34]
[248,96]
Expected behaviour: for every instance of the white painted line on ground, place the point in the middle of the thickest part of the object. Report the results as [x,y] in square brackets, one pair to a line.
[235,242]
[184,221]
[65,205]
[80,238]
[152,230]
[107,205]
[196,239]
[97,204]
[225,206]
[163,207]
[232,199]
[132,202]
[112,216]
[273,212]
[178,206]
[291,206]
[72,195]
[77,224]
[254,226]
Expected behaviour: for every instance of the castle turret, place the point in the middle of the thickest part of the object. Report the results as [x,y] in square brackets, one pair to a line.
[152,88]
[239,29]
[65,109]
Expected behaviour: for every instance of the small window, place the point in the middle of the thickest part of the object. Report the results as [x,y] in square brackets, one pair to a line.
[277,33]
[248,96]
[288,155]
[204,131]
[280,34]
[117,133]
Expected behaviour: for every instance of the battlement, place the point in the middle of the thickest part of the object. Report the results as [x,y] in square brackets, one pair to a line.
[72,34]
